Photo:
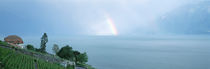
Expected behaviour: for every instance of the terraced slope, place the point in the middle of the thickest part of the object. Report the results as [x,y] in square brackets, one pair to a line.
[11,59]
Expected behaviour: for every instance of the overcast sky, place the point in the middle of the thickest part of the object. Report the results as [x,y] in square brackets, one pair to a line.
[85,17]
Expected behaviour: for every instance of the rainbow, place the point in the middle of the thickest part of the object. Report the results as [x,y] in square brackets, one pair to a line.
[112,26]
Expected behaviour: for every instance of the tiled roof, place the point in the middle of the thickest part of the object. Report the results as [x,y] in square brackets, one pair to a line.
[13,39]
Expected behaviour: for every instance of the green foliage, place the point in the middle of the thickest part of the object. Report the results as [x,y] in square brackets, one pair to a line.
[44,41]
[3,43]
[82,58]
[55,48]
[69,67]
[46,65]
[76,53]
[30,47]
[37,50]
[89,67]
[86,66]
[66,53]
[13,60]
[4,52]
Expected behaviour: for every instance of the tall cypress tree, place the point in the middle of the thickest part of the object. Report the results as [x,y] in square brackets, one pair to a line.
[44,41]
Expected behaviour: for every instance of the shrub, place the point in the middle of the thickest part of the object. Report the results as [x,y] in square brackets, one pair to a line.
[30,47]
[3,43]
[70,67]
[66,53]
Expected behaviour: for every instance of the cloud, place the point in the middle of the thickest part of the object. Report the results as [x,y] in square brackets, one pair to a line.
[87,16]
[129,15]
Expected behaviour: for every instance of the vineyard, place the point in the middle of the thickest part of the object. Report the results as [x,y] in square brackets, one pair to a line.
[11,59]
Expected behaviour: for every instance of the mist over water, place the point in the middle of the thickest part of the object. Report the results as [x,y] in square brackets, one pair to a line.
[139,53]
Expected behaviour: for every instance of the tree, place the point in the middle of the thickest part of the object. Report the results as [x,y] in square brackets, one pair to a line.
[44,41]
[55,48]
[30,47]
[76,53]
[82,58]
[66,52]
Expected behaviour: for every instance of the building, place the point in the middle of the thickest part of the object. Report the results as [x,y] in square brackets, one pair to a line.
[14,41]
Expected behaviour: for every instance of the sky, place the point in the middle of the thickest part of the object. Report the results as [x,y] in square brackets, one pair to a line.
[101,17]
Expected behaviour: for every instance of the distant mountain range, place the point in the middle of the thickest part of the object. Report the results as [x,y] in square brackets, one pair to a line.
[188,19]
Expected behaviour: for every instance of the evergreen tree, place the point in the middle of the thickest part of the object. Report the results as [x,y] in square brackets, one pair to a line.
[44,41]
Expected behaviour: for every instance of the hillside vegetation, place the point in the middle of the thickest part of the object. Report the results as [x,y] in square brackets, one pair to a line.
[13,56]
[10,59]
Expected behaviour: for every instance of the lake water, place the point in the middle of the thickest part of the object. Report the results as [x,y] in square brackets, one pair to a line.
[125,53]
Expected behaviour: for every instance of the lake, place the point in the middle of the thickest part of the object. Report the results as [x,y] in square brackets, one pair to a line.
[137,53]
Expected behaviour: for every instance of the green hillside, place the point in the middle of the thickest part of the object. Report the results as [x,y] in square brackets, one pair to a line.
[13,56]
[10,59]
